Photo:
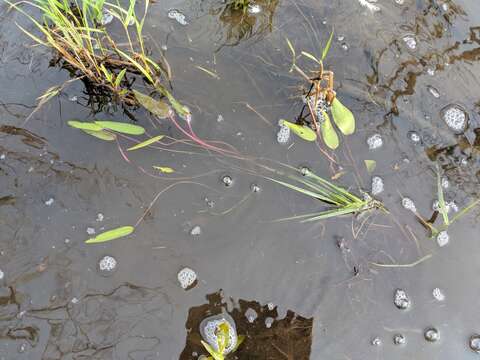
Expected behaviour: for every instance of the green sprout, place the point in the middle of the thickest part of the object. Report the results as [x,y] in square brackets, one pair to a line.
[223,342]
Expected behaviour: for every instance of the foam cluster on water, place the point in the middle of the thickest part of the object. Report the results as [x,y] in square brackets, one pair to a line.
[438,294]
[375,142]
[178,16]
[401,299]
[186,277]
[283,135]
[208,329]
[377,185]
[408,204]
[443,238]
[107,263]
[410,41]
[455,117]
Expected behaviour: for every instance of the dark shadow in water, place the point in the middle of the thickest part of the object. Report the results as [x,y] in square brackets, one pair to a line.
[287,338]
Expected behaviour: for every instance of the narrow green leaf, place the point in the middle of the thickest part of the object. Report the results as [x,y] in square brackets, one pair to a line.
[120,77]
[465,210]
[441,199]
[84,125]
[146,143]
[294,56]
[329,134]
[164,169]
[102,134]
[370,165]
[156,107]
[326,49]
[120,127]
[310,56]
[111,235]
[343,117]
[302,131]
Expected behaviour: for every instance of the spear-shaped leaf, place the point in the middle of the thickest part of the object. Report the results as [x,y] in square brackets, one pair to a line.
[120,127]
[146,142]
[156,107]
[302,131]
[111,235]
[329,134]
[343,117]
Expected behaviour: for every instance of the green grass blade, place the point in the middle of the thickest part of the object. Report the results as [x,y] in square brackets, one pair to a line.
[326,49]
[441,199]
[111,235]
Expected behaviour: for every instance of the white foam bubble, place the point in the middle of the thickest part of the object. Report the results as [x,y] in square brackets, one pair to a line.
[186,277]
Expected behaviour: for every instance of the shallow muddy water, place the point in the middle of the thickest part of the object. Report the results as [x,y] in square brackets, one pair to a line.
[396,69]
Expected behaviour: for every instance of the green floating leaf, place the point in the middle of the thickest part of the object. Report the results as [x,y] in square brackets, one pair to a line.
[111,235]
[164,169]
[101,134]
[302,131]
[156,107]
[120,127]
[343,117]
[146,142]
[84,125]
[370,165]
[329,135]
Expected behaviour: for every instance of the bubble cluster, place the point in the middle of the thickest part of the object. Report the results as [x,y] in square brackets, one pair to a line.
[431,334]
[438,294]
[178,16]
[408,204]
[455,117]
[283,135]
[107,264]
[399,339]
[377,185]
[410,41]
[401,299]
[375,142]
[196,230]
[443,238]
[449,205]
[254,8]
[414,137]
[208,329]
[186,277]
[376,341]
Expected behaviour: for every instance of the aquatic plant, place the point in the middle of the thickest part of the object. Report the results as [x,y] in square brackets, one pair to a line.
[340,200]
[222,333]
[76,32]
[321,99]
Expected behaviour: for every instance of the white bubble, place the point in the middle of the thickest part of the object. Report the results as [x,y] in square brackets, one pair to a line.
[107,18]
[75,300]
[186,277]
[100,217]
[2,275]
[410,41]
[372,7]
[438,294]
[474,343]
[399,339]
[375,142]
[50,202]
[283,135]
[107,263]
[433,91]
[254,8]
[178,16]
[269,322]
[90,231]
[431,334]
[227,180]
[251,315]
[401,299]
[408,204]
[376,341]
[445,183]
[455,117]
[443,238]
[377,185]
[196,230]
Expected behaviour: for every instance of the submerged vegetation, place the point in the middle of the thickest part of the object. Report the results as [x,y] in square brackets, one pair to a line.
[320,99]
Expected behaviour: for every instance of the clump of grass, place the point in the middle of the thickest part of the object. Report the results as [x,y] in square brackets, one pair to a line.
[81,44]
[340,201]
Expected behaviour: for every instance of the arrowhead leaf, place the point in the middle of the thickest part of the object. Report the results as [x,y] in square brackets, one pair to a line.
[330,137]
[343,117]
[302,131]
[120,127]
[111,235]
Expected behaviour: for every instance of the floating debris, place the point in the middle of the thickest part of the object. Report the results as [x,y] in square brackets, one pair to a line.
[377,185]
[178,16]
[375,142]
[408,204]
[50,202]
[410,41]
[438,294]
[208,330]
[431,334]
[254,8]
[433,91]
[106,19]
[443,238]
[227,180]
[255,188]
[474,343]
[376,341]
[100,217]
[399,339]
[196,230]
[107,264]
[187,278]
[90,231]
[251,315]
[401,299]
[455,117]
[414,137]
[283,135]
